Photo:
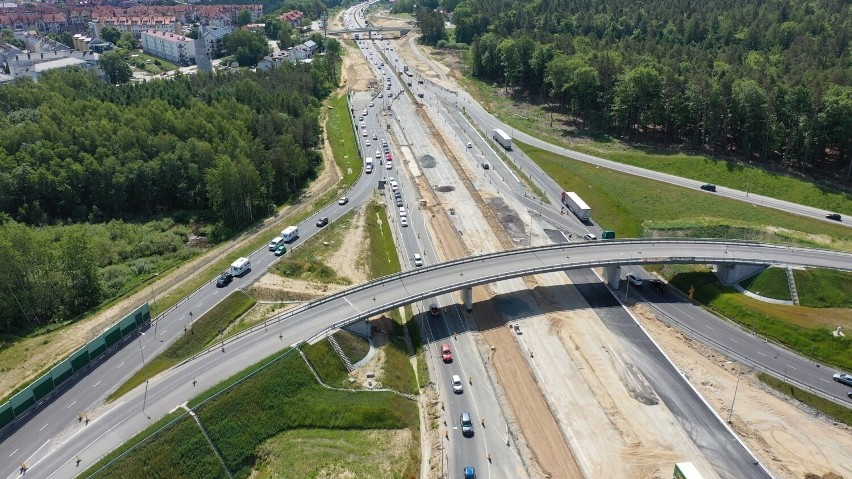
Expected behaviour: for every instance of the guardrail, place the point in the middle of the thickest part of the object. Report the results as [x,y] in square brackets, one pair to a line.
[539,269]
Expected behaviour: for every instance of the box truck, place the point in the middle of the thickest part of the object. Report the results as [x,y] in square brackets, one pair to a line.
[369,168]
[501,137]
[290,233]
[576,205]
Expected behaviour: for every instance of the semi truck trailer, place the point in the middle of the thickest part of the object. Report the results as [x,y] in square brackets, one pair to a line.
[576,205]
[501,137]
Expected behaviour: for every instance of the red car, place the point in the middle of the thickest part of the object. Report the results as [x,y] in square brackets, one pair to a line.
[389,157]
[446,355]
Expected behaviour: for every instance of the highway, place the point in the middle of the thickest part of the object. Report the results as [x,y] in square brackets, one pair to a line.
[49,441]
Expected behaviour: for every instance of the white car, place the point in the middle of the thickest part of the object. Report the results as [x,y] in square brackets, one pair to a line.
[418,260]
[403,221]
[343,200]
[589,237]
[469,144]
[458,387]
[371,104]
[367,143]
[633,279]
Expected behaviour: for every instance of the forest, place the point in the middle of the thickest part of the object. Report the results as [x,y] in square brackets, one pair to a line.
[100,184]
[763,81]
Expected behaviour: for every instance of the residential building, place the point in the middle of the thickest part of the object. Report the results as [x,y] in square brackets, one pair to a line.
[212,37]
[273,60]
[170,46]
[34,64]
[293,17]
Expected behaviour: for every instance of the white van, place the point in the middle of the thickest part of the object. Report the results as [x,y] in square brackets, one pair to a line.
[275,243]
[240,266]
[290,233]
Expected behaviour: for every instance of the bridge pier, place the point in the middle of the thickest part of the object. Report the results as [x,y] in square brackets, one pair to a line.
[361,328]
[467,298]
[729,274]
[613,275]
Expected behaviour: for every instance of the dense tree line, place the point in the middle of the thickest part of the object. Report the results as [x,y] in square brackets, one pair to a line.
[222,149]
[764,80]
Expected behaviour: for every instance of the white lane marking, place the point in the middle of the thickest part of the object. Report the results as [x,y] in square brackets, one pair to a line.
[758,352]
[13,452]
[788,366]
[732,339]
[96,384]
[120,365]
[42,428]
[73,403]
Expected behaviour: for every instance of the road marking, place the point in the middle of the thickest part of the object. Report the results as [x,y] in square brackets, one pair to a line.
[732,339]
[96,384]
[13,452]
[120,365]
[758,352]
[708,327]
[42,428]
[73,403]
[823,379]
[788,366]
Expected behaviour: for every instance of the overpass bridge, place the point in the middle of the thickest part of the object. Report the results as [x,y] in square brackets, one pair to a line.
[361,302]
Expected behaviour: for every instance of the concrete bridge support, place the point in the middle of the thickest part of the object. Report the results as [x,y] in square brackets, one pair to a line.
[467,299]
[729,274]
[613,275]
[361,328]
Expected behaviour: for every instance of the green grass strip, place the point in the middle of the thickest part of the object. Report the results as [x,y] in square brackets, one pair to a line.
[770,283]
[835,411]
[203,332]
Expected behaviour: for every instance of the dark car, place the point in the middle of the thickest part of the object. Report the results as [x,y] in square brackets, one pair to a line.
[833,216]
[660,286]
[399,201]
[322,222]
[485,166]
[224,279]
[420,95]
[843,378]
[708,187]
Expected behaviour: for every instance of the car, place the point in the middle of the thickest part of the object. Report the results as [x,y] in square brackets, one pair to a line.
[367,143]
[399,202]
[446,354]
[843,378]
[485,166]
[660,286]
[381,95]
[375,136]
[280,250]
[708,187]
[469,144]
[458,387]
[397,194]
[224,279]
[322,221]
[384,142]
[434,310]
[469,472]
[420,95]
[409,83]
[378,154]
[403,221]
[634,279]
[589,237]
[420,82]
[466,424]
[833,216]
[418,260]
[364,134]
[343,200]
[391,179]
[371,104]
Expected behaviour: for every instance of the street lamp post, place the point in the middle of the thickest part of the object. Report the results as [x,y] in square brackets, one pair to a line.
[731,412]
[145,397]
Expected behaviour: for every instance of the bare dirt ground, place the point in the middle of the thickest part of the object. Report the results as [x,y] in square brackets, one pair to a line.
[793,441]
[768,423]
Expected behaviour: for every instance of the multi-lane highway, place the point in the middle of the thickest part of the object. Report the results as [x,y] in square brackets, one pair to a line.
[50,439]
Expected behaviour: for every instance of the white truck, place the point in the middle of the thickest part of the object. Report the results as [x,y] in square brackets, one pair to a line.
[290,233]
[369,167]
[240,266]
[501,137]
[576,205]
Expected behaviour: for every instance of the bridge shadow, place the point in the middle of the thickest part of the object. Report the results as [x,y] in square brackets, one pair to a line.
[514,308]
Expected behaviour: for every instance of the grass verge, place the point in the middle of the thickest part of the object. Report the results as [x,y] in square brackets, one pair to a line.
[277,395]
[824,288]
[537,121]
[204,331]
[835,411]
[354,347]
[327,364]
[770,283]
[624,203]
[384,261]
[806,330]
[308,261]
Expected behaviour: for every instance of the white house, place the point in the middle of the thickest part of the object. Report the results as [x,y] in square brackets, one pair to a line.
[170,46]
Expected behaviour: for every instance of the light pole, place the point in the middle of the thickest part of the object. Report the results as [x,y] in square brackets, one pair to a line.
[627,290]
[731,412]
[145,397]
